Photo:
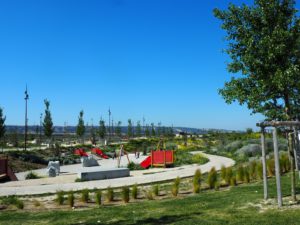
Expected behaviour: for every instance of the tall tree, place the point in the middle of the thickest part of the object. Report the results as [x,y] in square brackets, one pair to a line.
[93,135]
[264,46]
[2,126]
[102,129]
[48,124]
[138,129]
[80,129]
[118,129]
[265,50]
[147,131]
[129,129]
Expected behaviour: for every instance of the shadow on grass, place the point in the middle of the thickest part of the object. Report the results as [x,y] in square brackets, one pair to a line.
[168,219]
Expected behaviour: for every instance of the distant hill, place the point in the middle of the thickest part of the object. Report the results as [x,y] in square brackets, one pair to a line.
[72,129]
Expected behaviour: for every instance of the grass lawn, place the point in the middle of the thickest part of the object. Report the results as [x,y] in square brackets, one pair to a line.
[238,205]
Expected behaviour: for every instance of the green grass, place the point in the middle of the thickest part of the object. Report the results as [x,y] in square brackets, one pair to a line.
[209,207]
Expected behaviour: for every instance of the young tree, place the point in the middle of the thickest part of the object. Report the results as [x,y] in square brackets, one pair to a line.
[2,126]
[118,129]
[138,129]
[80,129]
[129,129]
[153,133]
[93,135]
[102,129]
[147,131]
[48,124]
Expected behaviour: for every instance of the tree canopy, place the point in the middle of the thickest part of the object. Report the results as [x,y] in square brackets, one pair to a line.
[80,129]
[2,124]
[264,47]
[48,124]
[102,129]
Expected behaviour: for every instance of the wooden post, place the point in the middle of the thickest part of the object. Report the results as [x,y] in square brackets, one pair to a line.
[264,163]
[277,168]
[293,176]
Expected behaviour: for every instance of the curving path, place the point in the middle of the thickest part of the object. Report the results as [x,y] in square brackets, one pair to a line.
[66,182]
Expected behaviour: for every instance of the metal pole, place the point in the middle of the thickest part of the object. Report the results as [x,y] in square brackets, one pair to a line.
[41,130]
[277,168]
[26,119]
[264,163]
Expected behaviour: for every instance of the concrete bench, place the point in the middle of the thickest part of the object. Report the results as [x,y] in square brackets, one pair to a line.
[97,173]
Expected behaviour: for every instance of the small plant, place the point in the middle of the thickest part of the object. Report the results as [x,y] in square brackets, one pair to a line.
[233,181]
[98,197]
[71,199]
[155,189]
[109,194]
[36,203]
[240,173]
[259,170]
[31,175]
[134,191]
[175,187]
[20,204]
[125,194]
[217,186]
[12,200]
[271,167]
[78,180]
[85,195]
[246,175]
[229,175]
[212,178]
[60,198]
[223,172]
[197,181]
[149,194]
[253,170]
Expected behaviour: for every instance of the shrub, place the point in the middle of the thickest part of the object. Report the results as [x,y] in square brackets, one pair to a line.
[229,175]
[199,159]
[212,178]
[71,199]
[125,194]
[240,173]
[134,166]
[85,195]
[284,163]
[20,204]
[253,169]
[155,189]
[271,167]
[149,194]
[60,198]
[134,191]
[36,203]
[259,170]
[12,200]
[109,194]
[175,187]
[233,181]
[197,181]
[223,172]
[31,175]
[98,196]
[246,175]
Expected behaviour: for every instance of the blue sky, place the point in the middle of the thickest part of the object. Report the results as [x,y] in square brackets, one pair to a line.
[161,59]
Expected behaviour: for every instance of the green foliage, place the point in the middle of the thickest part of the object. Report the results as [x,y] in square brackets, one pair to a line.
[12,200]
[109,194]
[149,194]
[98,196]
[48,124]
[185,158]
[71,199]
[253,169]
[284,163]
[233,181]
[246,175]
[223,172]
[212,178]
[134,166]
[264,48]
[134,191]
[259,169]
[175,187]
[2,124]
[138,129]
[229,175]
[80,129]
[155,189]
[129,129]
[102,129]
[118,129]
[197,181]
[31,175]
[125,194]
[60,197]
[240,173]
[85,195]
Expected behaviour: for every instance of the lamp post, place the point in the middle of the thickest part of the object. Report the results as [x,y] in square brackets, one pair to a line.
[26,119]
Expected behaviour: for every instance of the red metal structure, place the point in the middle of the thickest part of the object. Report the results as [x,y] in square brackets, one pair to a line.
[99,152]
[80,152]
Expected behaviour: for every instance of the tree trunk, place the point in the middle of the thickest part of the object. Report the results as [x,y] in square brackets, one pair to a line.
[293,176]
[263,158]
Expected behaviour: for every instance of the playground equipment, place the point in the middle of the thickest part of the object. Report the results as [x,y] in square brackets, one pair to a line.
[6,173]
[99,152]
[80,152]
[159,158]
[121,153]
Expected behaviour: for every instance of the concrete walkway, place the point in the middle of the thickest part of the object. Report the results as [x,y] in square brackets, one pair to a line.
[66,182]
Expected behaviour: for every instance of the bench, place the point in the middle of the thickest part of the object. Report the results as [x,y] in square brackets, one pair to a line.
[97,173]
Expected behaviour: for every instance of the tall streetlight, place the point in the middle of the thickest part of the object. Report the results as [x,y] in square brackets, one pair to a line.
[26,119]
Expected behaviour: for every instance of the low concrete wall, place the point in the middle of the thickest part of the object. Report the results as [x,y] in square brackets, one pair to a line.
[96,173]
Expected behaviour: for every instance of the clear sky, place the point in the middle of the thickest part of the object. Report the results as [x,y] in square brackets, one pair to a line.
[161,59]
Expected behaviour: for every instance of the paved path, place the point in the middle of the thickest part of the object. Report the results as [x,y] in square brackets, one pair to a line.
[66,182]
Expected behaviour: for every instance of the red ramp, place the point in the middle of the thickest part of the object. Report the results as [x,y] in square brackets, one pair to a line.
[100,153]
[146,163]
